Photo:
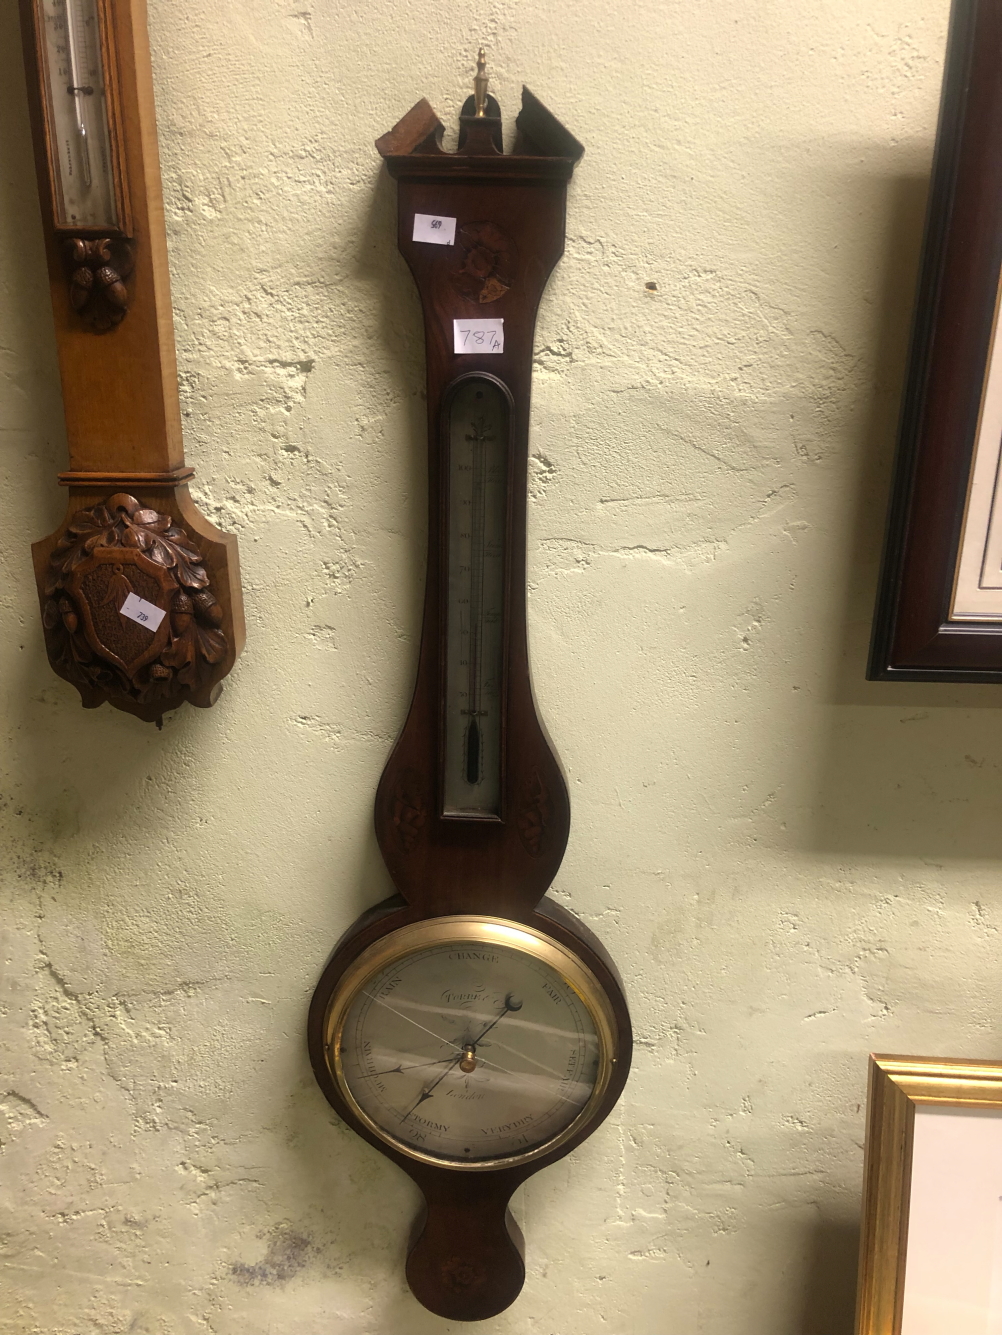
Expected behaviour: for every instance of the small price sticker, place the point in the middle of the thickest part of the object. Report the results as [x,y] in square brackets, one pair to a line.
[431,227]
[478,335]
[147,614]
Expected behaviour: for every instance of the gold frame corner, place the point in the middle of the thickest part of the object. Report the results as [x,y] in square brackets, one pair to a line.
[896,1086]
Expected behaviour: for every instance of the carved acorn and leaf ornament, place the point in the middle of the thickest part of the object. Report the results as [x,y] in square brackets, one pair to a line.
[97,272]
[107,553]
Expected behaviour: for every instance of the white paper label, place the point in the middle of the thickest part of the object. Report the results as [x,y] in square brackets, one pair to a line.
[478,335]
[430,227]
[147,614]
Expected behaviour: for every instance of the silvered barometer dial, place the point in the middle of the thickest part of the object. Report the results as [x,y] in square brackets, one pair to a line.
[471,1029]
[471,1042]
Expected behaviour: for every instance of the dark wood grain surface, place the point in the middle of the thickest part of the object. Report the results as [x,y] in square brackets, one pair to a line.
[913,638]
[467,1219]
[455,865]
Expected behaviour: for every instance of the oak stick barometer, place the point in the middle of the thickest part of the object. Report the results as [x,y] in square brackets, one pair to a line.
[140,594]
[471,1029]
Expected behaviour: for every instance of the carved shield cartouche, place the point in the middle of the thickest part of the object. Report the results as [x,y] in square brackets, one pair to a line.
[105,554]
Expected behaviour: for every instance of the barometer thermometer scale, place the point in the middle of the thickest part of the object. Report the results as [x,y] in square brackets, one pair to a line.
[77,96]
[470,1028]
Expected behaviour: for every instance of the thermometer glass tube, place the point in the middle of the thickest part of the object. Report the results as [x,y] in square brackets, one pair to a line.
[478,428]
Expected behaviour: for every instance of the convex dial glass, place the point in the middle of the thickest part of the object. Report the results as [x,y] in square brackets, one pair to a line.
[77,113]
[487,1044]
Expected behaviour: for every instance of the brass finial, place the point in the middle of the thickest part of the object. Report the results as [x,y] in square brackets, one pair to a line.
[480,83]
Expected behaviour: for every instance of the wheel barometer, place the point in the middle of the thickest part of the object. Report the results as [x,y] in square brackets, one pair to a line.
[470,1028]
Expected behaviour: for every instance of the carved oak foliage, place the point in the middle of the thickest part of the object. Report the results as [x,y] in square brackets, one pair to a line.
[98,270]
[105,554]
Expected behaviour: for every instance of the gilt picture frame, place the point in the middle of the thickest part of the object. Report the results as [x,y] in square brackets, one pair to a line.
[931,1241]
[939,606]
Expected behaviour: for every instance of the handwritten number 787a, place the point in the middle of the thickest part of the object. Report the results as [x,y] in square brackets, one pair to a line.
[478,336]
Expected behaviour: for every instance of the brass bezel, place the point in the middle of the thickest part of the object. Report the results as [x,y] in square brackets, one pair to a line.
[481,930]
[897,1086]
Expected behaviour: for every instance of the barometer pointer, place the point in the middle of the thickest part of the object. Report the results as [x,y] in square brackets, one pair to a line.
[468,1054]
[426,1094]
[397,1070]
[511,1003]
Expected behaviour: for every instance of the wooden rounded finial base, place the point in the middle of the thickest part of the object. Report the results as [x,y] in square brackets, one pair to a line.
[466,1263]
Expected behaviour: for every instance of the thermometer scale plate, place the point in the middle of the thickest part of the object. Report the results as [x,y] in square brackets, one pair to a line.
[478,431]
[81,119]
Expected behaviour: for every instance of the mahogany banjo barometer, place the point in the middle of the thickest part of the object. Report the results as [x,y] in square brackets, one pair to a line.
[470,1028]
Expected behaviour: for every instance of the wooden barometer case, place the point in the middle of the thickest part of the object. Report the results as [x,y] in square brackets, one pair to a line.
[471,1029]
[140,594]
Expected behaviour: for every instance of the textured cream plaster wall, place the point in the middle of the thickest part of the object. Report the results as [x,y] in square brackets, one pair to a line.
[791,866]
